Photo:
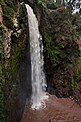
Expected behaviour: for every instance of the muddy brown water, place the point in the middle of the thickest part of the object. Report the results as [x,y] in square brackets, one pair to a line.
[56,110]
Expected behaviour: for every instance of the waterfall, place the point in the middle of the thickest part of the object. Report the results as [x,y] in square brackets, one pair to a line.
[37,62]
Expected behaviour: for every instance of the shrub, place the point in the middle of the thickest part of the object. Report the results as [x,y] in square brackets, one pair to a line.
[8,12]
[9,23]
[74,83]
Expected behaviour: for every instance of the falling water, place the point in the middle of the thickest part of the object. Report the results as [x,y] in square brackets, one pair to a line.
[36,51]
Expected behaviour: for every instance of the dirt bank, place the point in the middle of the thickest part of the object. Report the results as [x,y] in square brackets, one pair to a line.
[57,110]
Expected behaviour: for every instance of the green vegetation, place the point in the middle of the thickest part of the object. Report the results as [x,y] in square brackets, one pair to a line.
[57,38]
[2,2]
[17,54]
[53,50]
[1,96]
[42,2]
[8,12]
[17,43]
[22,13]
[61,32]
[10,67]
[77,76]
[77,21]
[9,23]
[74,83]
[2,32]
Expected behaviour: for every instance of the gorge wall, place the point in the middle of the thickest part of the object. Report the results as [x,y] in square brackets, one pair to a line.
[15,58]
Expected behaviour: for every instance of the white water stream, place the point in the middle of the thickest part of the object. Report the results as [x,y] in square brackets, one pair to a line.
[37,62]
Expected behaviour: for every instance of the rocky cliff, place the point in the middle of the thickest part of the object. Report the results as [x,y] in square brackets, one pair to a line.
[15,59]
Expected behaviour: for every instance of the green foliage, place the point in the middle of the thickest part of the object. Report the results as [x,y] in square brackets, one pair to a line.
[78,70]
[74,83]
[1,96]
[50,4]
[2,2]
[60,44]
[42,2]
[53,50]
[21,10]
[8,12]
[11,4]
[77,74]
[5,3]
[16,61]
[9,23]
[76,20]
[2,32]
[22,14]
[80,50]
[18,53]
[63,32]
[71,5]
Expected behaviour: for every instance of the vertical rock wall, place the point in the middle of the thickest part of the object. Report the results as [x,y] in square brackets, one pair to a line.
[16,60]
